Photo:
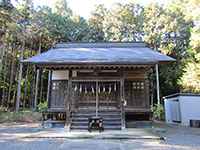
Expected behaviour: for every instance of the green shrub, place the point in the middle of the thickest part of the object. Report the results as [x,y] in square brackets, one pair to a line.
[3,109]
[42,106]
[158,112]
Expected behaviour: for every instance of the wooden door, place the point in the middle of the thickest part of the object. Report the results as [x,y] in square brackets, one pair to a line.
[58,93]
[136,94]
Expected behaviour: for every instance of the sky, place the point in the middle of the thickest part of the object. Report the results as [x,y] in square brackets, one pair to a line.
[84,7]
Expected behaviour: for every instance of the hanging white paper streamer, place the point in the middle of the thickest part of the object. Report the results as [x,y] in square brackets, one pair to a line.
[80,90]
[110,89]
[92,89]
[99,90]
[115,87]
[75,88]
[104,88]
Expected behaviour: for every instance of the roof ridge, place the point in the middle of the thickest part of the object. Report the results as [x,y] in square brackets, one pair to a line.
[100,45]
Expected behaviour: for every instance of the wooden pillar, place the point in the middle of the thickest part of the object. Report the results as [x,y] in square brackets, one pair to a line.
[49,87]
[19,88]
[122,97]
[68,101]
[157,85]
[97,98]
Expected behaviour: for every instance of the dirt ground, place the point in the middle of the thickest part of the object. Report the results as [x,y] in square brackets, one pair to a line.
[14,136]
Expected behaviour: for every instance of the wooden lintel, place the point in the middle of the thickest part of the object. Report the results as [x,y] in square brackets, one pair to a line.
[50,66]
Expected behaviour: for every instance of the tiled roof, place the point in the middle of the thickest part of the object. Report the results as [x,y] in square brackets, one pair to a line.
[100,53]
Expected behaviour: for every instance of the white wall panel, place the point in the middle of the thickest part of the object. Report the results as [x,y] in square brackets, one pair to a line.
[60,75]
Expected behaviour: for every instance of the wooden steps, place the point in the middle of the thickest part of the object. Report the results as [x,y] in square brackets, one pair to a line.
[111,119]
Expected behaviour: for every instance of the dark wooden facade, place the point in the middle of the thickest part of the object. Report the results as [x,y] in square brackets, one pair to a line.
[99,89]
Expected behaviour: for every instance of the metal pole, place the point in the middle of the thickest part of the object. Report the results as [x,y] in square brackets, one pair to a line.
[157,84]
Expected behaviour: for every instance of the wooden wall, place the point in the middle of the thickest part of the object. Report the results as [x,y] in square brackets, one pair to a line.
[136,86]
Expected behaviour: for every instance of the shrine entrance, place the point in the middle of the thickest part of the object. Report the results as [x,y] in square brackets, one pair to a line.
[95,95]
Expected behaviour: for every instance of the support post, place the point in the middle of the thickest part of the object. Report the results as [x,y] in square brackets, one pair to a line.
[97,98]
[68,101]
[49,86]
[157,85]
[122,97]
[19,88]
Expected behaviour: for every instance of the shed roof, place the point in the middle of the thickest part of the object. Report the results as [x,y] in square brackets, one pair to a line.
[100,53]
[180,94]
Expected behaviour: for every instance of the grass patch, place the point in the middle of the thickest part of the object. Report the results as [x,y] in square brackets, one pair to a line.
[21,116]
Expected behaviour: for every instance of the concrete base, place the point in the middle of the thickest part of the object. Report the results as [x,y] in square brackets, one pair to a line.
[120,134]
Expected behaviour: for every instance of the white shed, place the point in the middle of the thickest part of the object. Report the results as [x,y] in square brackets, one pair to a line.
[181,108]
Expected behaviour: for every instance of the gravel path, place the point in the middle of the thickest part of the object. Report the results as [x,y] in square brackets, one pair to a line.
[177,138]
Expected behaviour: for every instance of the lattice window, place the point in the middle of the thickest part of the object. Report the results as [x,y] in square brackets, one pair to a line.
[138,85]
[135,94]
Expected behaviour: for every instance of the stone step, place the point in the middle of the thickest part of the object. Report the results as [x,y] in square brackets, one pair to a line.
[104,119]
[101,109]
[139,124]
[94,114]
[102,116]
[99,102]
[104,123]
[107,127]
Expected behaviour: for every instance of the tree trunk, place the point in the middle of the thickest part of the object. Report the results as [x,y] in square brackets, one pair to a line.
[4,72]
[11,78]
[17,105]
[37,79]
[25,87]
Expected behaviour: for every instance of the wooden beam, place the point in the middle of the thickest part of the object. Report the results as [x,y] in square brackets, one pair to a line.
[96,79]
[94,66]
[157,84]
